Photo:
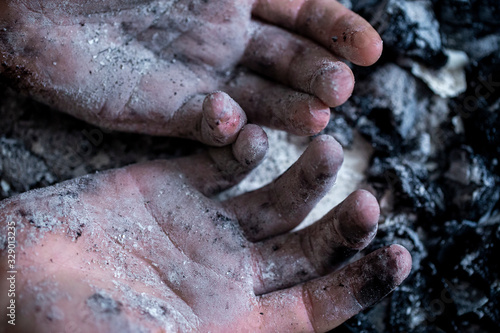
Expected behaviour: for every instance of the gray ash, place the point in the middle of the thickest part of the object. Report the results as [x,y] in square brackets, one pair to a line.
[408,28]
[41,147]
[437,160]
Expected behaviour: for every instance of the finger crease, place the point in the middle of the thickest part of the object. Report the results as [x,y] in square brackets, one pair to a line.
[308,305]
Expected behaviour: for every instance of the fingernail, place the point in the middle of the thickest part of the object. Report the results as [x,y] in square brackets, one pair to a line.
[333,84]
[309,118]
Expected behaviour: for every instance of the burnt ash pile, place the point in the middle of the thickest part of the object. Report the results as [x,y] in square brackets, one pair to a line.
[435,168]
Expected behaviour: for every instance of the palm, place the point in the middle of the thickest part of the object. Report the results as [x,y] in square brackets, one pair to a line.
[145,248]
[148,65]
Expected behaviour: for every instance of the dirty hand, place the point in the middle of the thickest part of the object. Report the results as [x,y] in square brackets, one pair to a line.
[145,248]
[153,66]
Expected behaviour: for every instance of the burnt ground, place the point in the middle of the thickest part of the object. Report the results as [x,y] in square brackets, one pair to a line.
[435,168]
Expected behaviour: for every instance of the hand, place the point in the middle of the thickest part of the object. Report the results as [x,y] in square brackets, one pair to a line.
[144,248]
[154,66]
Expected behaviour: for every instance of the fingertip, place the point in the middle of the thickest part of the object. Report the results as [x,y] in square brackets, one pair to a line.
[324,157]
[354,39]
[400,262]
[370,50]
[376,50]
[333,84]
[367,211]
[366,44]
[357,219]
[328,148]
[309,119]
[251,146]
[222,120]
[382,271]
[389,265]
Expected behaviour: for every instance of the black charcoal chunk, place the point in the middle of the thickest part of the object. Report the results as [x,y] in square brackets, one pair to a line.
[390,107]
[471,189]
[479,107]
[410,183]
[408,28]
[463,21]
[340,130]
[20,169]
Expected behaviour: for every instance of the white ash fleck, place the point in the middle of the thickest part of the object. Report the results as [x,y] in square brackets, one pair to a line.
[268,273]
[467,260]
[5,186]
[458,125]
[55,313]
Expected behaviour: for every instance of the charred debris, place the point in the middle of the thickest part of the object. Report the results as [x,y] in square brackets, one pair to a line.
[431,109]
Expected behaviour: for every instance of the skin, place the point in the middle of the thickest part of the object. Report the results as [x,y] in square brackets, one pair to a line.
[158,67]
[145,249]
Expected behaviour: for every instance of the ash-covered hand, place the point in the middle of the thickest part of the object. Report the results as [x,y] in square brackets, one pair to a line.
[151,66]
[145,248]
